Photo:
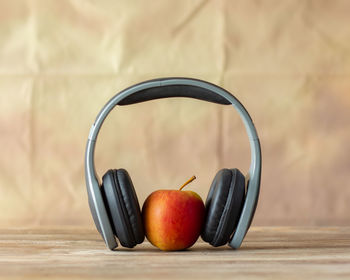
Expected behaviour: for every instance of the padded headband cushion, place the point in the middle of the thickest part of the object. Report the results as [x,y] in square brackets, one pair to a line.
[123,207]
[174,91]
[223,205]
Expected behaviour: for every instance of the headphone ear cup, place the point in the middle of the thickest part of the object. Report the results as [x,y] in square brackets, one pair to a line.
[223,206]
[123,207]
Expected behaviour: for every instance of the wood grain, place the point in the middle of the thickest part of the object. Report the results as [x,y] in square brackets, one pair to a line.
[267,253]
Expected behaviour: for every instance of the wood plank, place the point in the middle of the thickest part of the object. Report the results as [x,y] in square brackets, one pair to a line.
[267,253]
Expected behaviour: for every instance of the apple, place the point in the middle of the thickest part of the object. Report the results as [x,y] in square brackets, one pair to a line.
[173,219]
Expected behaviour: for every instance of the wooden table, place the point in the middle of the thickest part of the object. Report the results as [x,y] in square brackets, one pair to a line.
[267,252]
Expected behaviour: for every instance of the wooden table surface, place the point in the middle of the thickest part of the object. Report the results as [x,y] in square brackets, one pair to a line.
[267,252]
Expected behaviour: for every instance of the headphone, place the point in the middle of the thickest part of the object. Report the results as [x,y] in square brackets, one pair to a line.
[232,197]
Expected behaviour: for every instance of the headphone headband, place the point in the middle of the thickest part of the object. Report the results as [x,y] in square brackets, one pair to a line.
[164,88]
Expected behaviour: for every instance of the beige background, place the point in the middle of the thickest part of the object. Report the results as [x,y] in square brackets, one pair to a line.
[287,61]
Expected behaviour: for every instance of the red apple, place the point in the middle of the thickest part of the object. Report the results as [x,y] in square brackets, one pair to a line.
[173,219]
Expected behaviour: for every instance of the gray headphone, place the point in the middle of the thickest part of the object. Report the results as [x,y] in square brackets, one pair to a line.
[230,205]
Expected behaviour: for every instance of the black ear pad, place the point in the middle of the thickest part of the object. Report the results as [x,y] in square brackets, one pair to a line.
[223,206]
[123,207]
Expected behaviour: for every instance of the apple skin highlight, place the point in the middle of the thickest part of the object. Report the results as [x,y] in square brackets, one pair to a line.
[173,219]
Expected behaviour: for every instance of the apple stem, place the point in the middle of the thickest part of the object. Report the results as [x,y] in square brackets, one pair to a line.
[187,182]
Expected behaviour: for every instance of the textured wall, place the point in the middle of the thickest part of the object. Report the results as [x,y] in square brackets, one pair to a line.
[287,61]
